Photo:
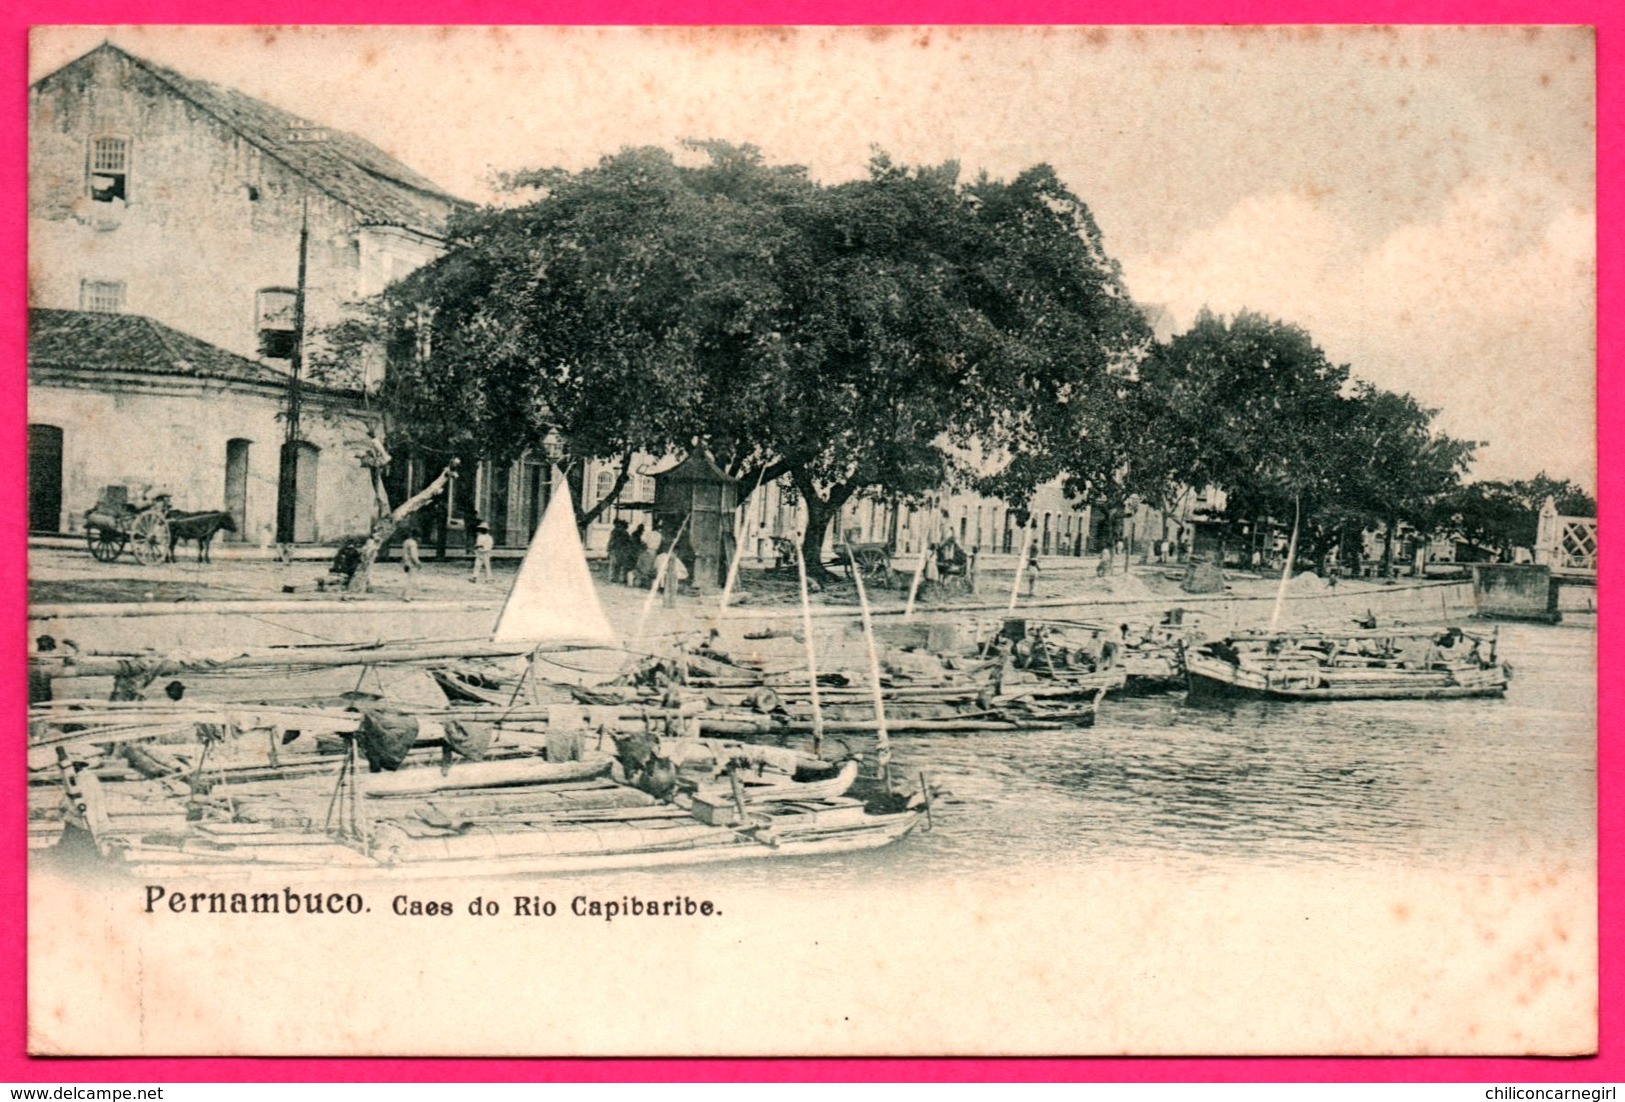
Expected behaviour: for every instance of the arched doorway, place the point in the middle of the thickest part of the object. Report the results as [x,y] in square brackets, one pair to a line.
[44,478]
[296,492]
[237,487]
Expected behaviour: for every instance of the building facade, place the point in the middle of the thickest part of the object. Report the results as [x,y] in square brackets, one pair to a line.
[116,399]
[205,212]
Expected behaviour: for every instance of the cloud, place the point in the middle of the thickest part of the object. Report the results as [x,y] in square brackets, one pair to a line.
[1485,309]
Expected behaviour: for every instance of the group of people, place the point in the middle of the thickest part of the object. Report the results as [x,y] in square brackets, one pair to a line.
[636,557]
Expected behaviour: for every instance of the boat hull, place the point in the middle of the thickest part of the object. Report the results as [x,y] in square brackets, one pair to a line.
[1207,676]
[515,855]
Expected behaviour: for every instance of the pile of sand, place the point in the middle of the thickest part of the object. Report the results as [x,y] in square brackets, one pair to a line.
[1307,582]
[1128,586]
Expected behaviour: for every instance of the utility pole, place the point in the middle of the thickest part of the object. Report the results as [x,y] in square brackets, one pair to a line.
[288,472]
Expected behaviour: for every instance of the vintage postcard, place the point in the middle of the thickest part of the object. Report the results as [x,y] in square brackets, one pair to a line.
[823,541]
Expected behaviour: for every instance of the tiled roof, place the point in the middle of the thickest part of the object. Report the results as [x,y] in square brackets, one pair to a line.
[382,190]
[79,339]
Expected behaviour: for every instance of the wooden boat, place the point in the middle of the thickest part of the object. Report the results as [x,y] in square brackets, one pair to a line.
[1088,655]
[1356,665]
[406,850]
[521,810]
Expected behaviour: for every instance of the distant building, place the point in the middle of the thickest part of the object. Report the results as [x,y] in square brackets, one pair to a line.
[179,204]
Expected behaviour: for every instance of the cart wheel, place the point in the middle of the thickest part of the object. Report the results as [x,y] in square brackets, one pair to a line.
[876,568]
[105,544]
[149,538]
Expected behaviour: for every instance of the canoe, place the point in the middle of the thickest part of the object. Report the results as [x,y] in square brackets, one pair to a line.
[784,830]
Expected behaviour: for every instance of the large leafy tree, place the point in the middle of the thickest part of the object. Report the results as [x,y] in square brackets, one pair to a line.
[930,332]
[857,338]
[1248,405]
[1253,406]
[597,309]
[1068,403]
[1395,468]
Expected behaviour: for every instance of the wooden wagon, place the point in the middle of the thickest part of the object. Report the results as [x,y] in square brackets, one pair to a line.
[121,519]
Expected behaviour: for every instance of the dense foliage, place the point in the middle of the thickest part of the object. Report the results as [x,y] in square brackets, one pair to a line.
[893,335]
[868,336]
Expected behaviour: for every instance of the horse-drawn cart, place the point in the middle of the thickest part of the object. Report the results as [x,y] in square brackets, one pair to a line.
[120,519]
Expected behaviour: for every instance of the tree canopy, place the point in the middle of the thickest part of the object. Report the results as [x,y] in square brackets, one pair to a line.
[1252,406]
[1501,516]
[895,334]
[865,336]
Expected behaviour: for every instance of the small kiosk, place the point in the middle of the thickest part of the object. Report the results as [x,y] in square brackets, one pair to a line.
[697,498]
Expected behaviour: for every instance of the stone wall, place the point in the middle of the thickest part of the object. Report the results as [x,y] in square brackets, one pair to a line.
[1515,592]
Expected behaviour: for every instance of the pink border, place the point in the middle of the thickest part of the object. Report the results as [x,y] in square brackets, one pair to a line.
[1609,19]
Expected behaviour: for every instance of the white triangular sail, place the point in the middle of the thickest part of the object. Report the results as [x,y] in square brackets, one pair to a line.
[553,600]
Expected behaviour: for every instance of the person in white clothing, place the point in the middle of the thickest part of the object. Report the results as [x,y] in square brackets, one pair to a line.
[483,545]
[411,563]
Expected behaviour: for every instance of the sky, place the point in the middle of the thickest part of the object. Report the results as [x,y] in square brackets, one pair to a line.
[1421,200]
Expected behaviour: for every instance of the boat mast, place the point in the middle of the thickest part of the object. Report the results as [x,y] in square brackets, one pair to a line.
[812,660]
[1286,571]
[882,742]
[1021,563]
[740,525]
[919,567]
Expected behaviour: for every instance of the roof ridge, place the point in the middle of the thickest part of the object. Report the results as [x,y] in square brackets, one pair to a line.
[161,331]
[181,353]
[183,86]
[164,74]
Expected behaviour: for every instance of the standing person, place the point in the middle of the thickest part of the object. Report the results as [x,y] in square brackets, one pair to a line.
[1032,569]
[620,552]
[411,563]
[646,544]
[483,546]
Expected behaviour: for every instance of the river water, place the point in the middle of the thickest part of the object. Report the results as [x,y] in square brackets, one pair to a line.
[1459,785]
[1463,784]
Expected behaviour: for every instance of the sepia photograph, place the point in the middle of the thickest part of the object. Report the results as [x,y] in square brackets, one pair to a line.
[812,541]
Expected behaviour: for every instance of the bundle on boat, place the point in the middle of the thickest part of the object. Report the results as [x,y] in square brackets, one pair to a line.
[1089,655]
[1371,664]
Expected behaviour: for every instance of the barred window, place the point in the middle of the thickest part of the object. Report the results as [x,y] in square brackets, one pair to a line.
[101,296]
[109,169]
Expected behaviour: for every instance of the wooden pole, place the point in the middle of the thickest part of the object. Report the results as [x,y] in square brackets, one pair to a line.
[654,588]
[1021,566]
[812,659]
[1286,571]
[919,567]
[882,740]
[739,549]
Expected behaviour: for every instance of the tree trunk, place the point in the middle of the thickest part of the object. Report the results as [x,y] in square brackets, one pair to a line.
[820,512]
[385,525]
[585,516]
[1388,549]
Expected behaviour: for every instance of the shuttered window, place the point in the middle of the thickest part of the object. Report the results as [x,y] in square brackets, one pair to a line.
[110,169]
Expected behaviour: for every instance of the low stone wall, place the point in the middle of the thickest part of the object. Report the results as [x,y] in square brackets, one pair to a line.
[1506,591]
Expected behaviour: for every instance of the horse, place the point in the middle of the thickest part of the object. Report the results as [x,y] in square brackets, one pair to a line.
[202,527]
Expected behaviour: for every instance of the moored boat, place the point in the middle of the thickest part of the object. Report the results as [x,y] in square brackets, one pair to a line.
[1358,665]
[166,787]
